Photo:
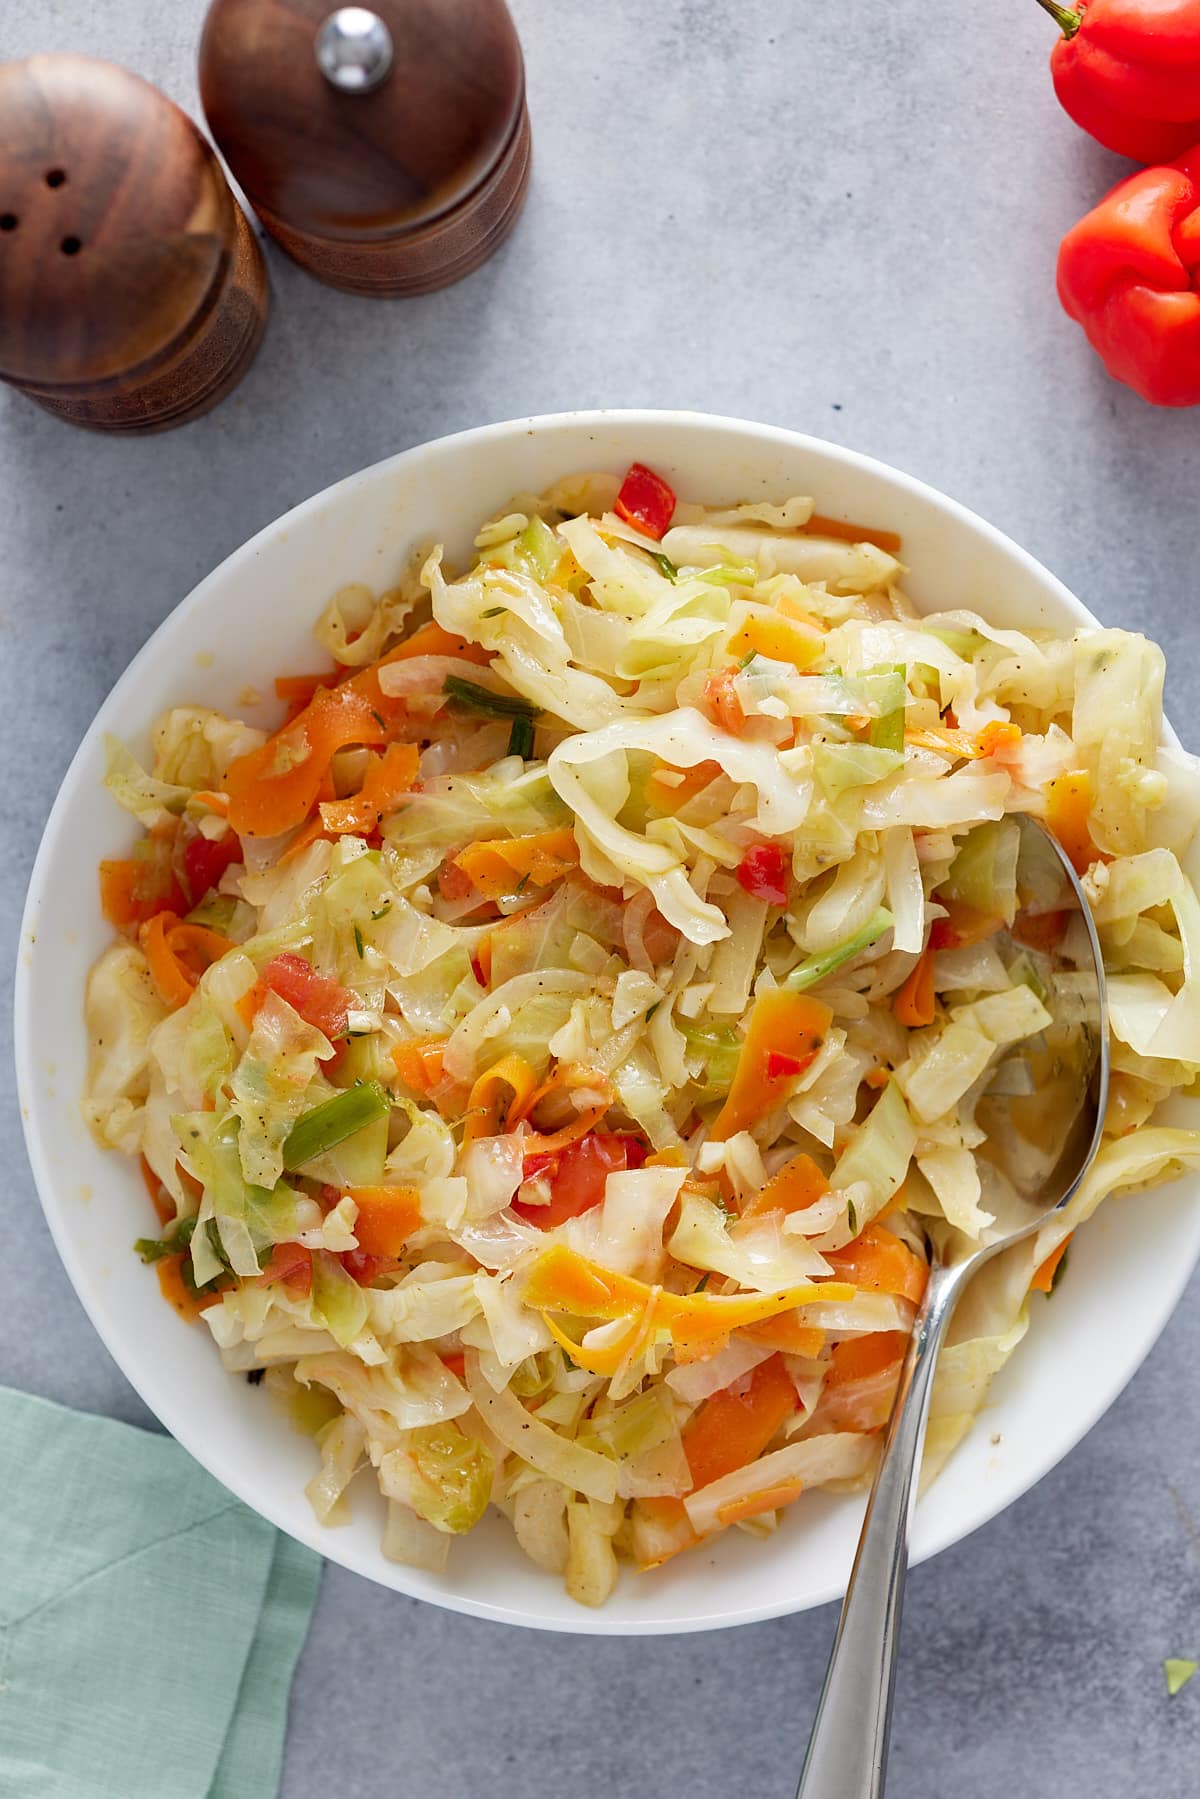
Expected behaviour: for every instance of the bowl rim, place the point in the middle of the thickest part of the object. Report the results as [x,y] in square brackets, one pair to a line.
[174,1417]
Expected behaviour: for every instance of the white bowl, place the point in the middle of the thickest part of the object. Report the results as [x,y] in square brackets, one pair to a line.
[252,619]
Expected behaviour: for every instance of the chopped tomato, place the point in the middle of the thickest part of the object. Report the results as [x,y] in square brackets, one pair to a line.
[577,1175]
[720,696]
[762,872]
[321,1002]
[290,1263]
[365,1268]
[645,501]
[205,860]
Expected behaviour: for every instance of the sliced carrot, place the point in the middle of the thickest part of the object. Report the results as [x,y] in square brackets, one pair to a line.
[768,1499]
[1068,809]
[431,640]
[387,1218]
[787,1334]
[561,1280]
[734,1426]
[915,1004]
[487,1105]
[821,526]
[297,691]
[860,1386]
[174,984]
[1043,1280]
[795,1187]
[793,1024]
[171,948]
[387,779]
[877,1262]
[779,639]
[501,864]
[247,1007]
[999,737]
[134,889]
[419,1062]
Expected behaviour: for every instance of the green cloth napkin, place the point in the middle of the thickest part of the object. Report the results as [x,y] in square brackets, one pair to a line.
[149,1623]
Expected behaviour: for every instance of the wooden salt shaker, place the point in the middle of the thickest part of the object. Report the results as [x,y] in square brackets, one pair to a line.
[387,150]
[132,289]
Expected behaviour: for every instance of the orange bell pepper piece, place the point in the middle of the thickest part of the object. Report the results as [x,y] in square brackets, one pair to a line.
[783,1023]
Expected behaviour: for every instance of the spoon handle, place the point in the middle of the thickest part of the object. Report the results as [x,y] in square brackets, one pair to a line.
[847,1752]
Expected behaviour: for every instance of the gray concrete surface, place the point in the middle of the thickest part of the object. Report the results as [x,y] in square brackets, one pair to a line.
[837,218]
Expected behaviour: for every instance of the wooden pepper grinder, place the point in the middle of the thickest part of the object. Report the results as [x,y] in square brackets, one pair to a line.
[132,289]
[387,150]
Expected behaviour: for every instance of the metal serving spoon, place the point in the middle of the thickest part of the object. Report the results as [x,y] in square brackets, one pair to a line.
[1043,1113]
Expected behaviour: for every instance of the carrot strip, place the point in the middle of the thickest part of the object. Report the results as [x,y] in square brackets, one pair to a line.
[432,640]
[877,1262]
[419,1062]
[796,1186]
[1068,809]
[486,1108]
[388,778]
[782,1022]
[1043,1280]
[915,1004]
[821,526]
[499,865]
[768,1499]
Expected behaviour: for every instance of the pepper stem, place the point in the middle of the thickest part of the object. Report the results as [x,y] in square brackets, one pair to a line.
[1068,21]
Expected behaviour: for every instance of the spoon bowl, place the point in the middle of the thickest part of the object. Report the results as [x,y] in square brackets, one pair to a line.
[1043,1113]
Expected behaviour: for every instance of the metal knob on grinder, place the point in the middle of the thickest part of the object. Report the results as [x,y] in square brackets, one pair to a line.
[132,289]
[386,148]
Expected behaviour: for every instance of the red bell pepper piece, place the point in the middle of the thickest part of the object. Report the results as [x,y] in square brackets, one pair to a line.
[781,1067]
[1128,273]
[321,1002]
[762,871]
[205,860]
[645,501]
[1128,72]
[577,1175]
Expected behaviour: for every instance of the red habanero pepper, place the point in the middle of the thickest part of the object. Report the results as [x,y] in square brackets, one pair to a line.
[1128,72]
[762,872]
[1129,274]
[645,501]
